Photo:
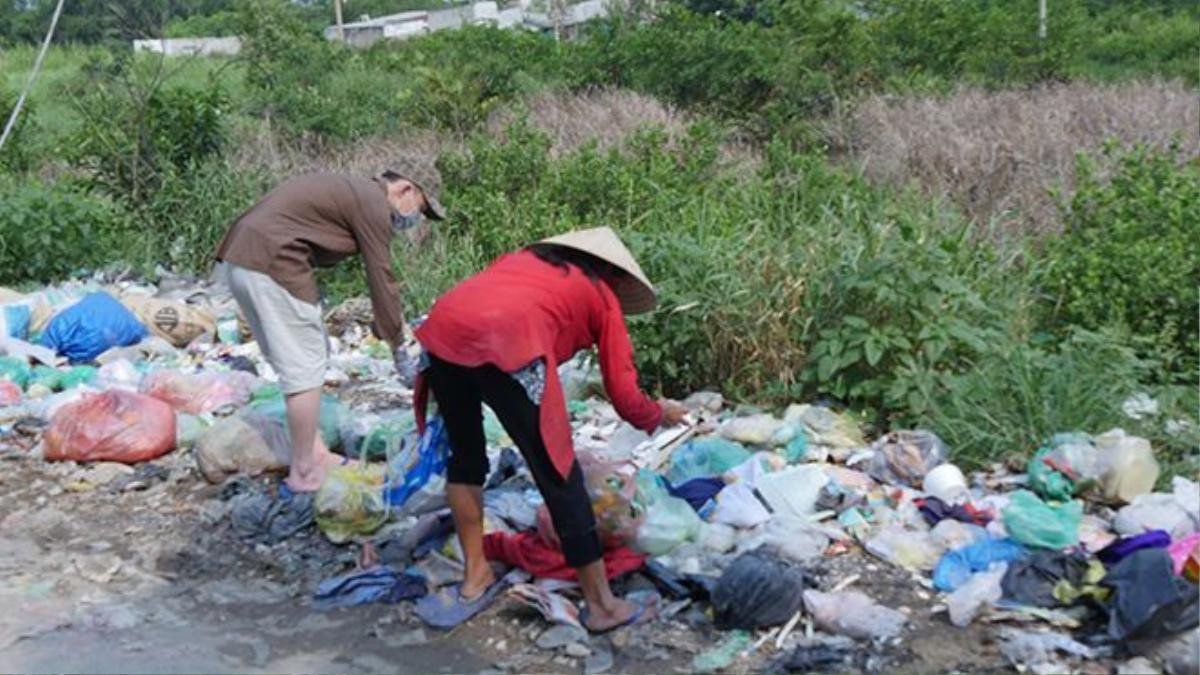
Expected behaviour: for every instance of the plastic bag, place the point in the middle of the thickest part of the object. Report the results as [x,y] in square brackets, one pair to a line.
[797,538]
[268,401]
[982,589]
[91,326]
[760,430]
[705,457]
[15,370]
[906,456]
[10,393]
[757,589]
[612,487]
[1130,469]
[1155,511]
[371,436]
[793,491]
[247,443]
[910,549]
[115,426]
[668,522]
[952,534]
[413,467]
[350,501]
[1054,468]
[956,567]
[853,614]
[738,506]
[119,373]
[1033,522]
[175,322]
[189,429]
[825,427]
[199,393]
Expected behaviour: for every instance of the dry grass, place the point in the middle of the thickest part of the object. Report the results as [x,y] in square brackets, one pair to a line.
[998,154]
[571,120]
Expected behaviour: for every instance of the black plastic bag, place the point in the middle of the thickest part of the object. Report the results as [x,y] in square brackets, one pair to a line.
[758,589]
[1030,581]
[1148,599]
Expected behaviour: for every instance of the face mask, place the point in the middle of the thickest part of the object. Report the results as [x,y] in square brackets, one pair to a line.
[405,221]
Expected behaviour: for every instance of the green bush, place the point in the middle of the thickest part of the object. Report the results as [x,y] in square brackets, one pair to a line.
[136,131]
[48,232]
[1128,255]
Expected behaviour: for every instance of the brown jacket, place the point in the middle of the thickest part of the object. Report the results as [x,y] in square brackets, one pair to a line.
[316,220]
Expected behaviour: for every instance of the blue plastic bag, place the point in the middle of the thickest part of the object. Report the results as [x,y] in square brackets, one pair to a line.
[91,327]
[956,567]
[705,457]
[416,463]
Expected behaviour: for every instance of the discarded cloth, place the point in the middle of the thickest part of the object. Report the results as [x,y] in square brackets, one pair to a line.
[261,517]
[1122,548]
[935,511]
[381,583]
[696,491]
[1148,599]
[529,552]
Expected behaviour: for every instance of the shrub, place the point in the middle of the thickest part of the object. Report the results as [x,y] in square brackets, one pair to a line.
[51,231]
[17,154]
[1128,255]
[1019,393]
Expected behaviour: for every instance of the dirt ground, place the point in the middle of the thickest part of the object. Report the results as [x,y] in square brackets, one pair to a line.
[143,574]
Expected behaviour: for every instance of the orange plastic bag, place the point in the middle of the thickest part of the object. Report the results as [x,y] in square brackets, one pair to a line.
[114,426]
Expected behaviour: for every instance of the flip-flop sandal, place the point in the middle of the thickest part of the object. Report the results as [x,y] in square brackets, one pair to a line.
[447,608]
[643,603]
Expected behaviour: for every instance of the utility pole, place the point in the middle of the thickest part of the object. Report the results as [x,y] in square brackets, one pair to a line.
[1042,20]
[337,15]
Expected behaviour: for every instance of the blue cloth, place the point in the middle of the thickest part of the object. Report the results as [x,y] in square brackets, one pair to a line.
[956,567]
[696,491]
[381,583]
[91,327]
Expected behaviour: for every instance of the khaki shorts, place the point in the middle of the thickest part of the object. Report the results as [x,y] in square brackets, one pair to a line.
[289,331]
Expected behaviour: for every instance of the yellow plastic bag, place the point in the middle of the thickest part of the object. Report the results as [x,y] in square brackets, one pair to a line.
[350,502]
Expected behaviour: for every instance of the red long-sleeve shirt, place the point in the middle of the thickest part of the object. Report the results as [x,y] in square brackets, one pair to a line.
[522,308]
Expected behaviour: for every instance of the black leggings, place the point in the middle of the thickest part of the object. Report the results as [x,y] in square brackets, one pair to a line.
[460,392]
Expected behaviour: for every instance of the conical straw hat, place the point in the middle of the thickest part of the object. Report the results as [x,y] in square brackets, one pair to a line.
[633,289]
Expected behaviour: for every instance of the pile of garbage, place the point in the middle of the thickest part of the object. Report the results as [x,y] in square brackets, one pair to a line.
[1076,559]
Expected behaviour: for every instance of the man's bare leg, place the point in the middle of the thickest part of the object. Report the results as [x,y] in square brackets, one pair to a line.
[310,457]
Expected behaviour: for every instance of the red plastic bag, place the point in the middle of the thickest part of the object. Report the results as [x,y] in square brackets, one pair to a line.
[10,394]
[114,426]
[199,393]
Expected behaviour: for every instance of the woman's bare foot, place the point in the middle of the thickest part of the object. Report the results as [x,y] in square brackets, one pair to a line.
[619,612]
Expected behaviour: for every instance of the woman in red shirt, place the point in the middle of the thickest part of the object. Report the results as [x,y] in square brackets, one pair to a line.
[498,338]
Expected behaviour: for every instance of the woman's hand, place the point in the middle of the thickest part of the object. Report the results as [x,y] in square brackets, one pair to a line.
[674,412]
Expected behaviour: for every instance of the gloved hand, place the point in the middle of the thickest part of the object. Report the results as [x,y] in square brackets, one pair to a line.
[406,359]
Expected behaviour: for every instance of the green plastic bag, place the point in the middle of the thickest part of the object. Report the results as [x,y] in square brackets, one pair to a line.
[76,376]
[14,369]
[1046,481]
[1033,522]
[705,457]
[669,521]
[797,448]
[46,376]
[268,401]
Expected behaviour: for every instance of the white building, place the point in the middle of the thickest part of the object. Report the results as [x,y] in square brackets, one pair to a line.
[204,46]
